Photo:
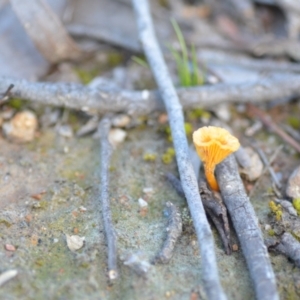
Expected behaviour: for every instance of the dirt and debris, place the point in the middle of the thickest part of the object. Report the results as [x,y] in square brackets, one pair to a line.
[21,128]
[293,185]
[49,157]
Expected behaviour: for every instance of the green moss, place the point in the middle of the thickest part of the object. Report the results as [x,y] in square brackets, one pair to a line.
[16,103]
[149,157]
[5,222]
[39,262]
[188,128]
[296,204]
[294,122]
[114,59]
[167,158]
[86,76]
[41,204]
[271,232]
[291,293]
[276,210]
[171,151]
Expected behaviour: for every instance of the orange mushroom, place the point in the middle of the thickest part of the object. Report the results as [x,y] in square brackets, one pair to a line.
[213,144]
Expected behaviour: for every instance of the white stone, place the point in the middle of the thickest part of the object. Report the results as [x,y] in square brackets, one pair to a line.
[75,242]
[121,120]
[142,203]
[21,128]
[116,136]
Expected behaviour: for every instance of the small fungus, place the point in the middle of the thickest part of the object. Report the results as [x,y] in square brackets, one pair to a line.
[214,144]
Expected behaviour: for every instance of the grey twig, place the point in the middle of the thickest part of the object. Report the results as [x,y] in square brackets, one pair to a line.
[214,208]
[272,126]
[106,151]
[288,246]
[247,229]
[6,94]
[80,97]
[167,91]
[174,231]
[267,165]
[175,183]
[217,211]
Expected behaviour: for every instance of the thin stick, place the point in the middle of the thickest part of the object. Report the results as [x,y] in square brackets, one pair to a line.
[156,61]
[270,124]
[80,97]
[174,231]
[214,208]
[106,151]
[6,94]
[292,132]
[289,247]
[267,165]
[247,229]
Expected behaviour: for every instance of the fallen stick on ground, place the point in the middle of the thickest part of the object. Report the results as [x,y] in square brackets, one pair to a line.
[167,91]
[246,226]
[174,231]
[267,121]
[288,246]
[80,97]
[267,164]
[214,208]
[111,238]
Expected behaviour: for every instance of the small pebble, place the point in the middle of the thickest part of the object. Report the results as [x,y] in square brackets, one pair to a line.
[142,203]
[163,118]
[9,247]
[235,247]
[148,190]
[268,227]
[256,167]
[21,128]
[288,206]
[250,131]
[116,136]
[293,185]
[7,275]
[75,242]
[82,209]
[222,112]
[121,120]
[65,131]
[90,126]
[137,261]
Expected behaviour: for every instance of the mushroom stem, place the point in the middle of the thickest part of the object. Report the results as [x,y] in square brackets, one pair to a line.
[210,177]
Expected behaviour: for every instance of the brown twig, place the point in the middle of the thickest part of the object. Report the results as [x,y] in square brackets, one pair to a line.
[210,274]
[6,94]
[266,120]
[106,151]
[247,228]
[288,246]
[174,231]
[99,99]
[213,206]
[267,165]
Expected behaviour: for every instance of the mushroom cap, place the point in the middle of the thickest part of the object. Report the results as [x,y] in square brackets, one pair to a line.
[214,144]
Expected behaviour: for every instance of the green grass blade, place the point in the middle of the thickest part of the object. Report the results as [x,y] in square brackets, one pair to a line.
[140,61]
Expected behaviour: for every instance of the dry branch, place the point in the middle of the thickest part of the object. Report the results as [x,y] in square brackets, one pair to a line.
[80,97]
[46,30]
[247,229]
[288,246]
[174,231]
[267,121]
[111,238]
[167,91]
